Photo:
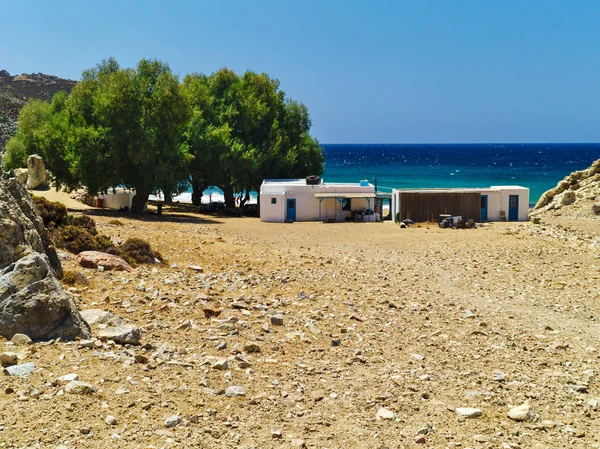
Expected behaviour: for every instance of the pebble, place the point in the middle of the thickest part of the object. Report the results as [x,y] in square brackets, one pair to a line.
[251,347]
[67,378]
[222,365]
[277,320]
[420,439]
[8,359]
[384,413]
[276,433]
[20,370]
[469,412]
[521,413]
[234,391]
[110,420]
[172,421]
[21,339]
[78,387]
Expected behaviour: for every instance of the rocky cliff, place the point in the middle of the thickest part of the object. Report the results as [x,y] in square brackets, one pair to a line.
[32,300]
[16,90]
[577,194]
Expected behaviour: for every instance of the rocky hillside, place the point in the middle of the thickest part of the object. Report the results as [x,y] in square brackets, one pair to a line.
[577,195]
[16,90]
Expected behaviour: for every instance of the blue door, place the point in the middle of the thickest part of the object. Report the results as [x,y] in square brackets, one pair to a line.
[484,202]
[291,209]
[513,208]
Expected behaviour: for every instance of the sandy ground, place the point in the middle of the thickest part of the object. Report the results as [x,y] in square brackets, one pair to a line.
[416,321]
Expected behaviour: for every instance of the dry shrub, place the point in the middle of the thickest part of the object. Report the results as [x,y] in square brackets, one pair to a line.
[105,244]
[85,222]
[116,222]
[74,239]
[53,213]
[139,251]
[72,277]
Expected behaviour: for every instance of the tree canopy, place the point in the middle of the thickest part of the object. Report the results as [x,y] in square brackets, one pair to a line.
[143,129]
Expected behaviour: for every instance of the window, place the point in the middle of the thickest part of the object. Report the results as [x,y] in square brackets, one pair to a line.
[346,204]
[512,201]
[273,200]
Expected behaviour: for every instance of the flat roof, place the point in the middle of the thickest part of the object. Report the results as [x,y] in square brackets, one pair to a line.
[302,182]
[345,195]
[462,190]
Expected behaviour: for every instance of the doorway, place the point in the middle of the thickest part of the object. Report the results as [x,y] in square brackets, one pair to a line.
[291,209]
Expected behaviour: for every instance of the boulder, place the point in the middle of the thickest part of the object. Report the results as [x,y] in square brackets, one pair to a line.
[94,259]
[32,300]
[36,175]
[21,174]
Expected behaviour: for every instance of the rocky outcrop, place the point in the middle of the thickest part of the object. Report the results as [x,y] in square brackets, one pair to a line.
[36,172]
[32,300]
[578,191]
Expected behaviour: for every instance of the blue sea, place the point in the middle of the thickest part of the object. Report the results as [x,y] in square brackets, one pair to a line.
[406,166]
[536,166]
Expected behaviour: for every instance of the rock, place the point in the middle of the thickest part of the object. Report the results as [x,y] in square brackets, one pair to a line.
[95,259]
[277,320]
[172,421]
[251,347]
[78,387]
[468,412]
[568,198]
[94,317]
[8,359]
[21,174]
[110,420]
[296,442]
[521,413]
[21,339]
[384,413]
[420,439]
[33,302]
[36,172]
[596,208]
[234,391]
[221,365]
[121,334]
[276,433]
[67,378]
[20,370]
[210,313]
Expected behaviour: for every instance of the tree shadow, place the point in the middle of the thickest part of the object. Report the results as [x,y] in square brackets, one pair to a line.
[176,213]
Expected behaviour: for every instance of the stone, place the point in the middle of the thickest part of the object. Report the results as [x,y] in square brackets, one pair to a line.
[276,433]
[36,172]
[21,339]
[596,208]
[221,365]
[110,420]
[20,370]
[8,359]
[95,317]
[121,334]
[78,387]
[210,313]
[277,320]
[384,413]
[468,412]
[420,439]
[67,378]
[95,259]
[251,347]
[21,174]
[522,412]
[568,198]
[234,391]
[296,442]
[172,421]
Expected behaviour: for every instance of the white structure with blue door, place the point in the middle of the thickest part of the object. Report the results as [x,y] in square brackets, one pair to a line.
[497,203]
[312,199]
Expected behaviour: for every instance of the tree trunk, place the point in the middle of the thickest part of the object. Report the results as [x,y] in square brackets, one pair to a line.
[245,198]
[138,203]
[229,197]
[167,198]
[196,192]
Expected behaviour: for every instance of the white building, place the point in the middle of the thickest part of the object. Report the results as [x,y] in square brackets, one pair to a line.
[496,203]
[118,199]
[311,199]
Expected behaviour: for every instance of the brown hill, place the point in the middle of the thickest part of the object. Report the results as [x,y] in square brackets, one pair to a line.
[16,90]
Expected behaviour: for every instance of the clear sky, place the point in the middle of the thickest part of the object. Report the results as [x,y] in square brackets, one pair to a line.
[369,71]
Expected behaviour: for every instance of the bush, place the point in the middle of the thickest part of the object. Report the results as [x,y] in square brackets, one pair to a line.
[139,251]
[53,213]
[74,239]
[71,277]
[84,222]
[116,222]
[104,244]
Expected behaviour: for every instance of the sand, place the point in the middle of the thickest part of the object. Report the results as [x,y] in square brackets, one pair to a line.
[416,321]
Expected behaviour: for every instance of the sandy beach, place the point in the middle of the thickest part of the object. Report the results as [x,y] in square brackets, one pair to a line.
[381,335]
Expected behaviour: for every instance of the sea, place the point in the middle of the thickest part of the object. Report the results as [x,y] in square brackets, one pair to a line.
[538,166]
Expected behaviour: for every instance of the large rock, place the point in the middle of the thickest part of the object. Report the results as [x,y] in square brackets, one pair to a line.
[36,174]
[95,317]
[94,259]
[121,334]
[32,300]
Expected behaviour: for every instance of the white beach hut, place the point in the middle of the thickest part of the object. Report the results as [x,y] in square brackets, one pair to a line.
[311,199]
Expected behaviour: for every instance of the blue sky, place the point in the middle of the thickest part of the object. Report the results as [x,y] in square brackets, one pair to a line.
[370,72]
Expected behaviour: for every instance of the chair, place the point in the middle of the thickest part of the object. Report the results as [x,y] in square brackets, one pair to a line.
[502,215]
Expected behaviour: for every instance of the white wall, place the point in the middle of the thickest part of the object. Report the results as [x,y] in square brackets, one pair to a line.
[117,200]
[307,205]
[522,192]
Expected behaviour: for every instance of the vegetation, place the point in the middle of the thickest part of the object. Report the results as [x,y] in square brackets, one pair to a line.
[139,251]
[71,277]
[143,129]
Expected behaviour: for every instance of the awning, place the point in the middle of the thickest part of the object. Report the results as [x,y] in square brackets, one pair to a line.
[345,195]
